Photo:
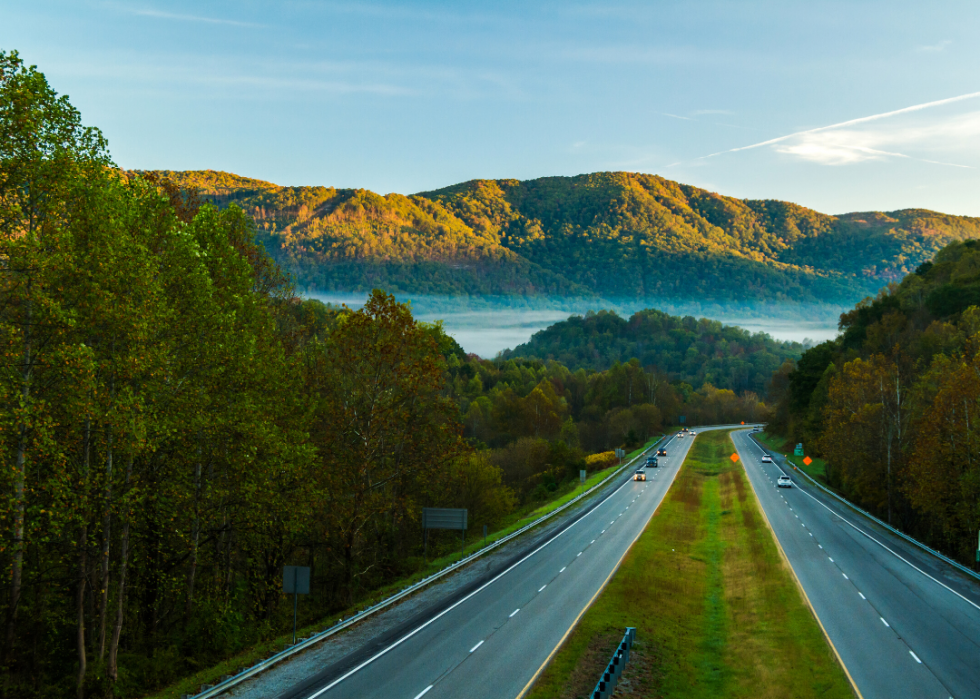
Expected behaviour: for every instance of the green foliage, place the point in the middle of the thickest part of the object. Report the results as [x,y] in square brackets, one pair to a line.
[616,234]
[888,403]
[688,350]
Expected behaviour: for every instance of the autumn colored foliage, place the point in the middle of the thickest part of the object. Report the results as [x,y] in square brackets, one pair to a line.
[892,403]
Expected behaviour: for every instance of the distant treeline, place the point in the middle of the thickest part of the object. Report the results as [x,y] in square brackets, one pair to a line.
[686,350]
[611,234]
[892,404]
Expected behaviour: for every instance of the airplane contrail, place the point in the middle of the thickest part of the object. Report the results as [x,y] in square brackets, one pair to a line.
[861,120]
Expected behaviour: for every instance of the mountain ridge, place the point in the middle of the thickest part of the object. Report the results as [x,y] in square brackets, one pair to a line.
[611,234]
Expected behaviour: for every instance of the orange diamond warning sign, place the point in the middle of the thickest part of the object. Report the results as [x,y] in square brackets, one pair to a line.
[807,460]
[734,458]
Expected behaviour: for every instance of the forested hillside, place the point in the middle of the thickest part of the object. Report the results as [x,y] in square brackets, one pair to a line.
[176,425]
[684,349]
[612,234]
[892,403]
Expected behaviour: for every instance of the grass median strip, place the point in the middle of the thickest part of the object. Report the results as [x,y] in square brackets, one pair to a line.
[716,611]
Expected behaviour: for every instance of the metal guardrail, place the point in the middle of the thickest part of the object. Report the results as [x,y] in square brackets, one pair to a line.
[614,670]
[229,681]
[870,516]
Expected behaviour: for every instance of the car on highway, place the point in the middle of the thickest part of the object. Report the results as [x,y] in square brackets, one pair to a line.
[680,434]
[652,462]
[661,452]
[693,433]
[766,459]
[784,482]
[640,475]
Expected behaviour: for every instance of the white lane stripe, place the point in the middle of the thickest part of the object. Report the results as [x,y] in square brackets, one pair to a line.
[885,622]
[422,693]
[511,616]
[845,576]
[578,554]
[562,570]
[831,559]
[862,595]
[543,586]
[476,646]
[477,591]
[896,555]
[915,656]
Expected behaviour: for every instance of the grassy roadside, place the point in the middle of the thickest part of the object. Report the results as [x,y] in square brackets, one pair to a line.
[817,469]
[716,611]
[522,517]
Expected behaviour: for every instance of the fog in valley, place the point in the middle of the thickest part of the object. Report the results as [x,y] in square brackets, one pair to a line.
[487,325]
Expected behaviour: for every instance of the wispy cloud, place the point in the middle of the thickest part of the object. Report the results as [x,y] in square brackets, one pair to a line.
[700,112]
[173,16]
[934,48]
[837,144]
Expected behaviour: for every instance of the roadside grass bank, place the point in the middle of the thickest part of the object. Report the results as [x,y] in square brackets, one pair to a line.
[817,470]
[260,651]
[717,613]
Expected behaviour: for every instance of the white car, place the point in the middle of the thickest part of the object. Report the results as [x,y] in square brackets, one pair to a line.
[766,459]
[784,482]
[693,433]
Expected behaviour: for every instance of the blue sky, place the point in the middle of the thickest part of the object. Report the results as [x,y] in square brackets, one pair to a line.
[413,96]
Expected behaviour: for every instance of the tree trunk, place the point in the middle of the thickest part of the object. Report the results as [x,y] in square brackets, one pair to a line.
[20,478]
[113,670]
[195,535]
[83,573]
[106,526]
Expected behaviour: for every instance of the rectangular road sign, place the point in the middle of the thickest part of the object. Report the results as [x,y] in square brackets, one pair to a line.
[443,518]
[799,450]
[296,580]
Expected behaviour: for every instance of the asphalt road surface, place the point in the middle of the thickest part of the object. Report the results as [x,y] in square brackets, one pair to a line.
[904,623]
[493,641]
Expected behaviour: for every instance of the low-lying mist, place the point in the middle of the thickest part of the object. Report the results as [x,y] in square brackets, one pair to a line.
[486,325]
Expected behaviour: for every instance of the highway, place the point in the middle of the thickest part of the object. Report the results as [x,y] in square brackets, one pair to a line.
[493,641]
[904,623]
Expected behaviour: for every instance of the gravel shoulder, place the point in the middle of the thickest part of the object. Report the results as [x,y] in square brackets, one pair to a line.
[336,648]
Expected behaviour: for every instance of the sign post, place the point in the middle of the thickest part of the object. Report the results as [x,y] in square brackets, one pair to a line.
[295,581]
[442,518]
[581,475]
[799,450]
[620,453]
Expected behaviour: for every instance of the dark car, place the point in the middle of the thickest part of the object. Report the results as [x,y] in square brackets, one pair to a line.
[652,462]
[661,452]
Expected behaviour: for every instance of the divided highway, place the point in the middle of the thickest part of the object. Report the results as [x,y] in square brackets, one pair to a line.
[493,641]
[904,623]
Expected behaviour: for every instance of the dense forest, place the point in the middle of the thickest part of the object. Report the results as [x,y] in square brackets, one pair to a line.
[176,424]
[691,351]
[892,404]
[611,234]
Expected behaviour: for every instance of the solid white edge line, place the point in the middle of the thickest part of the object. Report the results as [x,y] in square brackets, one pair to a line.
[476,646]
[422,693]
[407,636]
[449,609]
[896,555]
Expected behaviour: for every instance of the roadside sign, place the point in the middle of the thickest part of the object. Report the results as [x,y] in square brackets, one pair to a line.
[442,518]
[799,450]
[620,453]
[295,582]
[682,419]
[808,461]
[581,475]
[734,458]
